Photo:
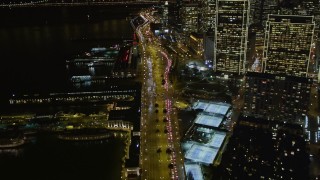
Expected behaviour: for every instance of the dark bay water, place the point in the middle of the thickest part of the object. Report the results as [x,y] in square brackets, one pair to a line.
[34,44]
[48,158]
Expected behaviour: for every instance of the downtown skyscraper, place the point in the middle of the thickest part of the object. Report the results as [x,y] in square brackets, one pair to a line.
[287,46]
[277,97]
[207,15]
[231,35]
[190,17]
[282,91]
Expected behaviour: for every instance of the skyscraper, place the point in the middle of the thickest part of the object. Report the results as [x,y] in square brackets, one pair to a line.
[231,35]
[207,15]
[164,19]
[288,40]
[259,10]
[277,97]
[309,6]
[190,17]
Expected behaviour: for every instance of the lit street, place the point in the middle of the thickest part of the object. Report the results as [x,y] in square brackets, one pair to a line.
[161,157]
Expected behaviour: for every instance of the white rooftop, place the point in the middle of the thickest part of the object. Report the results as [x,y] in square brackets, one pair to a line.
[187,144]
[218,108]
[200,105]
[201,154]
[205,130]
[195,170]
[209,120]
[217,140]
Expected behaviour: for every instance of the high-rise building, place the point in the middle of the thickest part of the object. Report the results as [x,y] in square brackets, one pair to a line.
[287,46]
[190,17]
[207,15]
[175,14]
[208,45]
[276,97]
[259,10]
[198,16]
[196,43]
[309,6]
[262,149]
[231,35]
[317,31]
[165,18]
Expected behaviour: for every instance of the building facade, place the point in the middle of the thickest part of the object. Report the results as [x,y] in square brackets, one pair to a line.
[277,97]
[287,46]
[231,35]
[196,43]
[259,10]
[207,18]
[164,18]
[190,17]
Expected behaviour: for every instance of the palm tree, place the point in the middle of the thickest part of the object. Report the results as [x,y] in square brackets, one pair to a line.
[168,151]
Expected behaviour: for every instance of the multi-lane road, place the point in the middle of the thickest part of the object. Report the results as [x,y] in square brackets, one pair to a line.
[161,156]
